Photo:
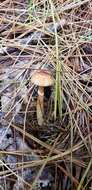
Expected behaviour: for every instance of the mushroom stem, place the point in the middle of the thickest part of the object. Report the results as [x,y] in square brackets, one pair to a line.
[40,107]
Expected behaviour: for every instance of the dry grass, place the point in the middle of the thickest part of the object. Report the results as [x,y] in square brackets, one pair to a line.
[54,35]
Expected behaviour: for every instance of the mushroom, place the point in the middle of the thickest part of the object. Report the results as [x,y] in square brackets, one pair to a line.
[41,78]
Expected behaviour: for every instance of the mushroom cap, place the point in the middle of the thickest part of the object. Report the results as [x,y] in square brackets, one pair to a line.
[42,78]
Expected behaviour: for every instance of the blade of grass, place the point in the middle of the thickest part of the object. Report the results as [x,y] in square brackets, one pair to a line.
[85,174]
[58,102]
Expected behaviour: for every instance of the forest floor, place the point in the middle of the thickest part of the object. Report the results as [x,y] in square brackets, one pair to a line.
[46,129]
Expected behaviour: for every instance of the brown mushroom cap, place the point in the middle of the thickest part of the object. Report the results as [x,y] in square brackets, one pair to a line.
[42,78]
